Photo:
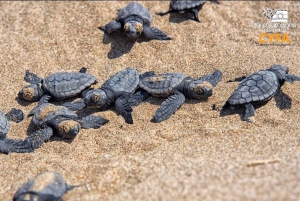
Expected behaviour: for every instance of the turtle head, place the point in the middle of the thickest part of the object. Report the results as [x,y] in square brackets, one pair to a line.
[280,70]
[32,92]
[95,97]
[68,128]
[201,90]
[133,29]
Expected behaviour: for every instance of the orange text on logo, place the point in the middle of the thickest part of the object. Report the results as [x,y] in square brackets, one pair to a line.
[274,38]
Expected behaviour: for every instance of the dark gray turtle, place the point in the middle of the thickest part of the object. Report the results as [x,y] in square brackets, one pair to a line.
[176,87]
[60,85]
[46,186]
[51,119]
[118,90]
[135,19]
[15,115]
[182,6]
[259,87]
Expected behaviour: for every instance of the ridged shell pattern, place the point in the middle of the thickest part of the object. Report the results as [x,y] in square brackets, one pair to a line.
[257,87]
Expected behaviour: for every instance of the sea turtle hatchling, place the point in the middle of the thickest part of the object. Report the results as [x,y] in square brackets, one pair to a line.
[176,87]
[51,119]
[259,87]
[15,115]
[119,90]
[59,85]
[135,19]
[46,186]
[182,6]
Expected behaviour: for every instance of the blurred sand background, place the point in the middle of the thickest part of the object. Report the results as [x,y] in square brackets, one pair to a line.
[194,155]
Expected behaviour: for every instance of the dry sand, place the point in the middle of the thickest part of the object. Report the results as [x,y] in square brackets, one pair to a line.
[194,155]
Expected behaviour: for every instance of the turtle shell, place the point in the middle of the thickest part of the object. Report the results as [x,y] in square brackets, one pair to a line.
[134,8]
[125,81]
[257,87]
[67,84]
[4,125]
[45,186]
[185,4]
[162,85]
[47,112]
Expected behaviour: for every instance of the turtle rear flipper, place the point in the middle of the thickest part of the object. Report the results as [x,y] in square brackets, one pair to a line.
[123,106]
[15,115]
[168,107]
[138,97]
[213,79]
[92,121]
[74,106]
[111,27]
[32,142]
[146,74]
[154,33]
[291,78]
[32,78]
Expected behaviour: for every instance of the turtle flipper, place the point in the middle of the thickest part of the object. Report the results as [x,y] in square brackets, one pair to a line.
[195,12]
[7,145]
[146,74]
[154,33]
[164,13]
[249,112]
[168,107]
[32,78]
[83,70]
[74,106]
[213,79]
[291,78]
[92,121]
[238,79]
[123,106]
[32,142]
[138,97]
[43,100]
[15,115]
[111,27]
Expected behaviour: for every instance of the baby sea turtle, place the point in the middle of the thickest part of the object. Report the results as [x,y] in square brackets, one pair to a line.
[135,19]
[259,87]
[15,115]
[46,186]
[59,85]
[176,87]
[51,119]
[118,90]
[182,6]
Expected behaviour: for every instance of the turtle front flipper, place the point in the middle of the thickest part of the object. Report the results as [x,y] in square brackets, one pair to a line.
[213,79]
[154,33]
[32,142]
[123,106]
[75,106]
[92,121]
[15,115]
[249,112]
[291,78]
[32,78]
[111,27]
[164,13]
[43,100]
[168,107]
[7,145]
